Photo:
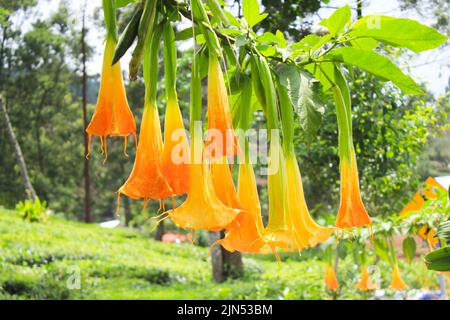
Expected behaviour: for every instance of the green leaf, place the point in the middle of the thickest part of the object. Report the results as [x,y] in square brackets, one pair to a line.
[398,32]
[438,260]
[250,9]
[299,86]
[364,43]
[122,3]
[338,20]
[409,248]
[376,64]
[381,249]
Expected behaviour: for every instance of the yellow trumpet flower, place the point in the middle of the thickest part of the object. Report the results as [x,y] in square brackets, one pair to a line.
[352,212]
[305,231]
[330,279]
[202,208]
[219,117]
[176,150]
[112,116]
[365,284]
[397,282]
[147,179]
[245,233]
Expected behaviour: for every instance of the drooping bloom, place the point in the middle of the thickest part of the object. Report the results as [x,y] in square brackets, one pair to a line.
[176,147]
[397,282]
[330,279]
[202,208]
[147,179]
[222,140]
[305,231]
[352,212]
[223,183]
[112,115]
[245,232]
[176,150]
[365,283]
[277,233]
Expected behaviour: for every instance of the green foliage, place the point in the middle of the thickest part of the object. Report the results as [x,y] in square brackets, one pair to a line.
[438,260]
[397,32]
[337,22]
[377,65]
[250,8]
[409,248]
[33,210]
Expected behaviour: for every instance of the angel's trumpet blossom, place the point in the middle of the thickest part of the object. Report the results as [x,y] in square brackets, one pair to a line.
[305,231]
[222,140]
[277,233]
[147,179]
[176,147]
[223,183]
[397,282]
[330,279]
[352,212]
[365,284]
[112,115]
[176,150]
[245,233]
[202,208]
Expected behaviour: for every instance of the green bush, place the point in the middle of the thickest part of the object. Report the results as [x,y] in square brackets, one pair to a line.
[33,210]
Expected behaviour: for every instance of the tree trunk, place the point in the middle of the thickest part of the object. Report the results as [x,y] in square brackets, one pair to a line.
[18,152]
[87,180]
[159,231]
[225,264]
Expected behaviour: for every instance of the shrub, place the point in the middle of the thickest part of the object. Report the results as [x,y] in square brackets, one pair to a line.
[33,210]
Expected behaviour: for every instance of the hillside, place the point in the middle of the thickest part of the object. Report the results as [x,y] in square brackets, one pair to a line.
[41,261]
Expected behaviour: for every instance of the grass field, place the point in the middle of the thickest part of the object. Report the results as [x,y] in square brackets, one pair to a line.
[42,261]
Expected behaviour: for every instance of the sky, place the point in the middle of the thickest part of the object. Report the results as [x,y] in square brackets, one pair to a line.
[432,67]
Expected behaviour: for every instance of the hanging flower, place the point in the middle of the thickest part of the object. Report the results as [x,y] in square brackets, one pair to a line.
[397,282]
[223,183]
[245,232]
[176,150]
[222,140]
[352,212]
[305,231]
[330,279]
[147,179]
[365,284]
[202,208]
[112,115]
[176,147]
[277,233]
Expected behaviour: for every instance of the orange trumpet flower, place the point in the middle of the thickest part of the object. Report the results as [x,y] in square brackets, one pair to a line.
[305,231]
[365,284]
[112,116]
[219,117]
[397,282]
[245,233]
[352,212]
[202,208]
[147,179]
[330,279]
[176,150]
[223,183]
